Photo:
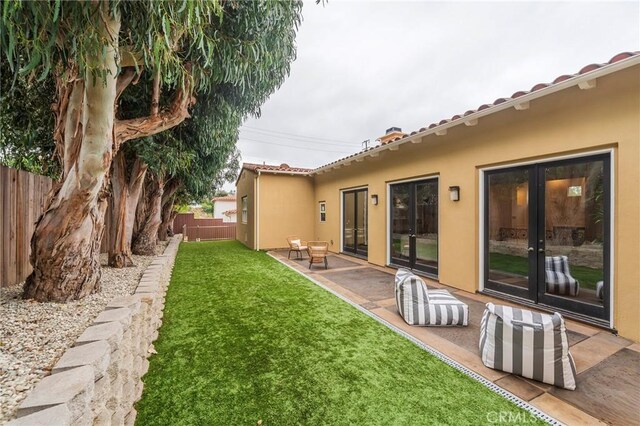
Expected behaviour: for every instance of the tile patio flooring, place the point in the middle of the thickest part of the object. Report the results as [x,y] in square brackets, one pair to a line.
[608,388]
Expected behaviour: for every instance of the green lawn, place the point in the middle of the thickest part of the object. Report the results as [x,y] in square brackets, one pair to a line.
[244,338]
[426,249]
[588,277]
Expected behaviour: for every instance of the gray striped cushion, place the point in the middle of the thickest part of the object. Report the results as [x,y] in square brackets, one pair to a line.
[558,277]
[600,290]
[419,306]
[527,343]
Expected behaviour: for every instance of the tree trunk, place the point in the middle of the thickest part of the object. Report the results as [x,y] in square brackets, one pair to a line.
[125,193]
[148,217]
[170,231]
[167,217]
[65,247]
[168,197]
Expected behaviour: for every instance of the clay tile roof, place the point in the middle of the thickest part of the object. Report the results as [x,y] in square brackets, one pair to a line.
[591,67]
[588,68]
[563,78]
[225,198]
[539,86]
[272,168]
[228,212]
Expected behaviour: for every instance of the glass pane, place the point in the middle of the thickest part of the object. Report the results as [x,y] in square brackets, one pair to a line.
[349,221]
[361,213]
[400,226]
[427,224]
[574,231]
[508,233]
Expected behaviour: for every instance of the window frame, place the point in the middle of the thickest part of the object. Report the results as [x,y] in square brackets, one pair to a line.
[322,210]
[244,209]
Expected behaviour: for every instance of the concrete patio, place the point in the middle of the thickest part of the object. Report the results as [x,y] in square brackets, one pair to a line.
[608,366]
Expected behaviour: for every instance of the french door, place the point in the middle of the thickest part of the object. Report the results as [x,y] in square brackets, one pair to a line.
[414,225]
[354,222]
[547,234]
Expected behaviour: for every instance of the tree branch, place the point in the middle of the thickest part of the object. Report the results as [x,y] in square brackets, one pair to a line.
[124,79]
[155,96]
[178,111]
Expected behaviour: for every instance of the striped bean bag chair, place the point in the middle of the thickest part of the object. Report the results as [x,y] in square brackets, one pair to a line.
[558,277]
[526,343]
[418,305]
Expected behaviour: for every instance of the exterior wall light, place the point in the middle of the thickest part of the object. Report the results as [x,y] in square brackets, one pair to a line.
[454,193]
[374,199]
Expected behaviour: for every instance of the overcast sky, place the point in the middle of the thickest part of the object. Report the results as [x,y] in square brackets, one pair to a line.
[363,66]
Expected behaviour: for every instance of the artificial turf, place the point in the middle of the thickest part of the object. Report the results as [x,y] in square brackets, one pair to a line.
[245,339]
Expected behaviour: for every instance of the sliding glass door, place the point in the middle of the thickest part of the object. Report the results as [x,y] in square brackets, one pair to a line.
[414,225]
[547,234]
[354,222]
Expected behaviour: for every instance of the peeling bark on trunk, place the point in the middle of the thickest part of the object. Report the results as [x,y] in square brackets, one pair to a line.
[167,219]
[125,192]
[167,216]
[148,217]
[65,246]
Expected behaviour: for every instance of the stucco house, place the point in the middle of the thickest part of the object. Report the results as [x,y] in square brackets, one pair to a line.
[533,198]
[225,208]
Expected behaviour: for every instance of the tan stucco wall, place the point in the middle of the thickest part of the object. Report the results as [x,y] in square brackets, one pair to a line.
[287,208]
[567,122]
[246,187]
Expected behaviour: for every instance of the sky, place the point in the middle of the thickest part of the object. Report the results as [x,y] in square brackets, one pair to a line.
[364,66]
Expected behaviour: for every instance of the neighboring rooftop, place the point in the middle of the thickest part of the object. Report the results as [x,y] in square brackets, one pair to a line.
[230,197]
[272,168]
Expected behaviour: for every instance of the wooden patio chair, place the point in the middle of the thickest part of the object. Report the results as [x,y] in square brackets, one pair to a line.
[297,245]
[318,251]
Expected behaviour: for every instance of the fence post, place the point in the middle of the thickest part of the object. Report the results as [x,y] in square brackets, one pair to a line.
[197,232]
[184,232]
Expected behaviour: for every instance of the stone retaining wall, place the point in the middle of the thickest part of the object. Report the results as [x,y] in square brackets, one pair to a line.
[98,380]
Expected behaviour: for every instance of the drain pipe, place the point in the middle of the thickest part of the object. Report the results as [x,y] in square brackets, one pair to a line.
[257,228]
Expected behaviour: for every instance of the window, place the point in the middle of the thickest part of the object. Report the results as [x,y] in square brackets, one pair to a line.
[244,209]
[323,211]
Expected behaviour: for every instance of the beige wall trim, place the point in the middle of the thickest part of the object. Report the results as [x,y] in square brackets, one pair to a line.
[482,206]
[574,81]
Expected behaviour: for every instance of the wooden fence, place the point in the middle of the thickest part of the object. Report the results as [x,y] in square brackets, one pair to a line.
[203,229]
[23,197]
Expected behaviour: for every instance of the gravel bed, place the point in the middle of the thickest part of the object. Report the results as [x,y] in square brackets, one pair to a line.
[33,336]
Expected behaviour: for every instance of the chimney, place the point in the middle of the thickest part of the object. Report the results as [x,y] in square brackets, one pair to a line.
[391,134]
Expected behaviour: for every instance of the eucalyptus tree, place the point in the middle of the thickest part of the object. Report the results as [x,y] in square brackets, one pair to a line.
[26,123]
[94,51]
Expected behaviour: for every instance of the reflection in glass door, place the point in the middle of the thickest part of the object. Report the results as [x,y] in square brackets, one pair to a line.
[414,225]
[354,231]
[508,236]
[547,234]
